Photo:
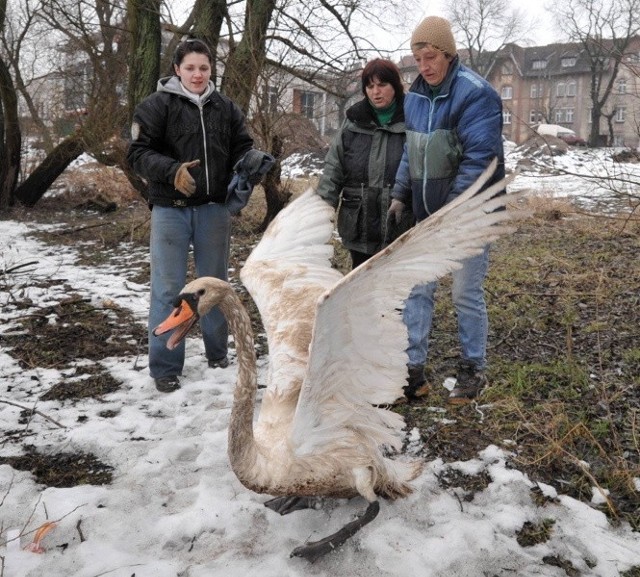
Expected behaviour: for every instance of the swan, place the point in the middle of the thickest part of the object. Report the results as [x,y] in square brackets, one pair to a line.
[336,352]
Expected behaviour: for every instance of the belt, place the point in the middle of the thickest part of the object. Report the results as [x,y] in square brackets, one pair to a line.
[182,202]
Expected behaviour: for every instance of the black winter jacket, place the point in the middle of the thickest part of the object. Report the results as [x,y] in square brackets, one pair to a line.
[169,128]
[359,175]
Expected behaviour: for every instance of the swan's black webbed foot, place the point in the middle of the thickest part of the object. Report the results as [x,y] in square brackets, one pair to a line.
[313,551]
[286,505]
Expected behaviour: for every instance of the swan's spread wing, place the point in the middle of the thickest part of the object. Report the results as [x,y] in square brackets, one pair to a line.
[357,357]
[285,274]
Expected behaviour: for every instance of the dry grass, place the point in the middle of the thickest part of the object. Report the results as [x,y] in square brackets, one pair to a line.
[564,363]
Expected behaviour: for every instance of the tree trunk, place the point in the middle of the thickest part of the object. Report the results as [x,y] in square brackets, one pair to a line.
[208,18]
[244,65]
[39,181]
[246,62]
[144,64]
[11,138]
[274,194]
[144,67]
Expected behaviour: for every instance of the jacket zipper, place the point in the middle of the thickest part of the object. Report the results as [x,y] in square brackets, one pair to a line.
[204,140]
[432,107]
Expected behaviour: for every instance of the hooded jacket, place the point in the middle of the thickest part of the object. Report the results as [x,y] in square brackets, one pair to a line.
[170,128]
[358,176]
[452,136]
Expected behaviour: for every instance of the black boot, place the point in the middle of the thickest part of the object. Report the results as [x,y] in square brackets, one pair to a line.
[417,383]
[470,382]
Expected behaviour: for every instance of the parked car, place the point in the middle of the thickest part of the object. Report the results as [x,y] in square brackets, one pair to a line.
[561,132]
[572,138]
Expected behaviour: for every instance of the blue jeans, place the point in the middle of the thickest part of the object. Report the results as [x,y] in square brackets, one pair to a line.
[468,299]
[173,230]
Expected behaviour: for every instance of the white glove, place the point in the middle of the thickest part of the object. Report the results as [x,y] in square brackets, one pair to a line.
[395,209]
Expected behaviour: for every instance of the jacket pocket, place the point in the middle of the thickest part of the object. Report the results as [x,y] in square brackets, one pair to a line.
[349,217]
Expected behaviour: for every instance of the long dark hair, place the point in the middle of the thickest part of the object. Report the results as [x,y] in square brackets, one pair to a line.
[384,71]
[191,45]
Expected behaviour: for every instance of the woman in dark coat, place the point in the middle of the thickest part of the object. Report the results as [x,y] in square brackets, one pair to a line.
[362,162]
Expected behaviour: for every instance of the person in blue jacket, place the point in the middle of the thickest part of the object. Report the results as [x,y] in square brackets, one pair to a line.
[453,121]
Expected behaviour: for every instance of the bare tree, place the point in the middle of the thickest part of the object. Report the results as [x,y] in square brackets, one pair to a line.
[93,66]
[604,29]
[22,59]
[487,26]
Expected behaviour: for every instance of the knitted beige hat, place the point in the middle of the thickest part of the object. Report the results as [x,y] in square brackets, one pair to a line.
[437,32]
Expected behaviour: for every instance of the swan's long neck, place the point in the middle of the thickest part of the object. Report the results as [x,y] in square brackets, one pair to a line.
[242,448]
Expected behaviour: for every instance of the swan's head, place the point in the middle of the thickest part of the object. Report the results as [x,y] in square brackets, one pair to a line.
[195,300]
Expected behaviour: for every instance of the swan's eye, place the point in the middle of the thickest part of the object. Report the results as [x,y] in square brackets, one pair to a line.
[201,292]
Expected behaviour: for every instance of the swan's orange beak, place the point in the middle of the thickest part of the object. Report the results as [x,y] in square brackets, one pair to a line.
[182,319]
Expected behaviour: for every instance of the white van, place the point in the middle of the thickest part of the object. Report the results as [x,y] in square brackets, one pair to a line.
[562,132]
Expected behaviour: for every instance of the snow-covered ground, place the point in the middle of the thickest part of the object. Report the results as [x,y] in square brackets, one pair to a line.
[175,509]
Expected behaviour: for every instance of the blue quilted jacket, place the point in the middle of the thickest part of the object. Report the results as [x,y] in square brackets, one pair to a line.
[452,136]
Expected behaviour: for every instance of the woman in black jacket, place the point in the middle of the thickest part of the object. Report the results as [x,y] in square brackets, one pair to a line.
[186,139]
[361,164]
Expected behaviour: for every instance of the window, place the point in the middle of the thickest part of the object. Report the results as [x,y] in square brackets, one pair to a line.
[618,140]
[568,61]
[564,115]
[620,113]
[536,91]
[535,117]
[539,64]
[270,103]
[507,68]
[506,116]
[560,89]
[307,104]
[571,88]
[75,85]
[506,93]
[622,85]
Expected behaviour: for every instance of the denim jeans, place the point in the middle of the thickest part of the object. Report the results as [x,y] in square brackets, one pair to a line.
[471,310]
[207,229]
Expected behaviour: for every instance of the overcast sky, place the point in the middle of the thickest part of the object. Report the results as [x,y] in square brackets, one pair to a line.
[544,33]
